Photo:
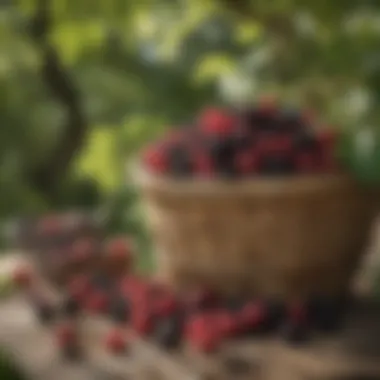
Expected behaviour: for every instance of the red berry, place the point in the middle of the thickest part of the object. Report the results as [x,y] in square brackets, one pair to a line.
[156,159]
[97,302]
[66,334]
[131,286]
[119,250]
[203,165]
[327,138]
[252,315]
[82,250]
[49,225]
[115,341]
[278,144]
[306,162]
[208,343]
[79,287]
[142,321]
[203,334]
[165,306]
[200,298]
[22,276]
[217,121]
[175,136]
[226,324]
[246,162]
[298,312]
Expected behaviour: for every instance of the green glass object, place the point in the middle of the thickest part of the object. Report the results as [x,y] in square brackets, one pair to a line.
[359,153]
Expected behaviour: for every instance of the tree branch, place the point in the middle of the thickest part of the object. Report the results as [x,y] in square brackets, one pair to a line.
[47,176]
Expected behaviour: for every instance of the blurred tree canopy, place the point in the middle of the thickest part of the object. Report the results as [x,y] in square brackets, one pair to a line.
[84,83]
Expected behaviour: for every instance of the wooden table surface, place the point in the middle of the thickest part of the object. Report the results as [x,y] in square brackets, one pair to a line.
[355,351]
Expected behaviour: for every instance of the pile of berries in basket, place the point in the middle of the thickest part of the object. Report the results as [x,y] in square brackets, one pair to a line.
[198,318]
[263,140]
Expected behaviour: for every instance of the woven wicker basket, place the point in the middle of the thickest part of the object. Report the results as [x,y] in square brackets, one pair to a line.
[285,237]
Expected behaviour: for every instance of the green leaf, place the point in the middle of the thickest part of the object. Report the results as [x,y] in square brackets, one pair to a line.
[214,66]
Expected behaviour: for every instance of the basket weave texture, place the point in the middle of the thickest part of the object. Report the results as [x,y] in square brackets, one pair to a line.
[287,237]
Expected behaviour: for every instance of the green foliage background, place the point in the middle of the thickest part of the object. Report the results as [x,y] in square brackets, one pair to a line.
[142,66]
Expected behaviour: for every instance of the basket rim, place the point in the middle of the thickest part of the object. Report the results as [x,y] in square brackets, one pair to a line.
[148,180]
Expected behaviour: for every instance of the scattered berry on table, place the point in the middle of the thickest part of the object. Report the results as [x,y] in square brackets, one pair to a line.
[234,304]
[252,317]
[298,311]
[295,333]
[66,334]
[49,225]
[120,250]
[22,276]
[275,314]
[82,250]
[296,328]
[142,321]
[102,282]
[70,307]
[227,323]
[79,287]
[203,333]
[116,341]
[97,302]
[168,331]
[72,352]
[165,305]
[327,313]
[44,310]
[200,299]
[120,309]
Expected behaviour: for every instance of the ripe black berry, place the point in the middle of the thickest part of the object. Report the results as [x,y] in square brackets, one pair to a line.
[236,366]
[102,282]
[290,120]
[120,310]
[180,163]
[234,304]
[276,165]
[305,141]
[258,119]
[70,307]
[45,312]
[72,352]
[222,152]
[295,333]
[168,332]
[275,313]
[327,313]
